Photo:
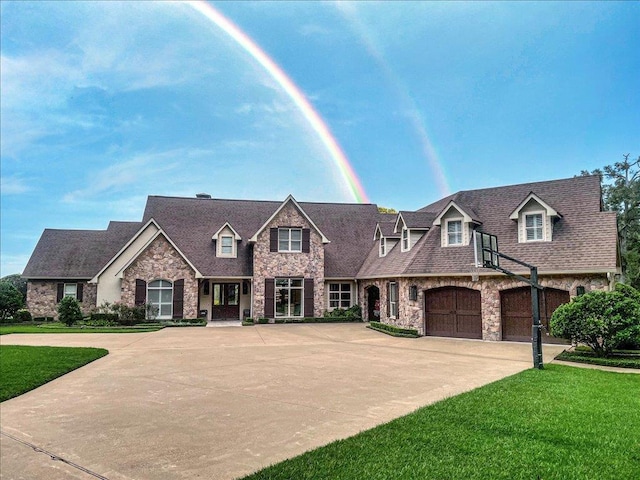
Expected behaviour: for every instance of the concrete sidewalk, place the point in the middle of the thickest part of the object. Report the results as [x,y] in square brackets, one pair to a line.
[219,403]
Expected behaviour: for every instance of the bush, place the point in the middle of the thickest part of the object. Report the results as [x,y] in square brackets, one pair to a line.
[69,311]
[123,314]
[43,319]
[263,320]
[22,315]
[601,320]
[393,330]
[10,300]
[352,312]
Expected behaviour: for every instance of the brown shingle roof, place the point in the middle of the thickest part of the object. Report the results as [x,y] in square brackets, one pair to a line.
[418,220]
[77,254]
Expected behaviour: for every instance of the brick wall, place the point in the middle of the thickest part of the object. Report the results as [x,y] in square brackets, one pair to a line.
[42,296]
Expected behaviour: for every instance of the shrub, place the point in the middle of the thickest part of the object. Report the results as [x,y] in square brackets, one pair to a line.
[22,315]
[352,312]
[10,300]
[123,314]
[263,320]
[393,330]
[69,311]
[601,320]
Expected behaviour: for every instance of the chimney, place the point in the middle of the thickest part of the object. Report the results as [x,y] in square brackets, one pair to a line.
[203,195]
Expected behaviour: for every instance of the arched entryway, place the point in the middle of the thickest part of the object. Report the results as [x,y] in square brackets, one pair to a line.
[453,312]
[373,303]
[517,317]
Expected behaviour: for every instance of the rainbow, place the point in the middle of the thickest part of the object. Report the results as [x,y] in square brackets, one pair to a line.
[340,160]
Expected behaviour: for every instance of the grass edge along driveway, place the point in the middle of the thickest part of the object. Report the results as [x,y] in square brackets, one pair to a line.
[60,328]
[558,423]
[23,368]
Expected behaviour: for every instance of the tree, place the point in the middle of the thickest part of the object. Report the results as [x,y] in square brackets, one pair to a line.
[10,300]
[17,281]
[600,319]
[69,311]
[621,194]
[387,210]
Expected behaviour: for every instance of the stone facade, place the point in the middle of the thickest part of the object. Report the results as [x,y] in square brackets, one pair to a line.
[42,297]
[267,264]
[411,313]
[160,261]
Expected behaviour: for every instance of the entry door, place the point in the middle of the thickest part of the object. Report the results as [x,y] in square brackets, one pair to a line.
[225,301]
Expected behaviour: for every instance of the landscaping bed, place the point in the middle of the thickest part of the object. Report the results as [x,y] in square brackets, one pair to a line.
[264,321]
[620,358]
[393,330]
[61,328]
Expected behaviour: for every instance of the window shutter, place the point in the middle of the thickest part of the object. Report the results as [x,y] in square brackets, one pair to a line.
[306,240]
[141,292]
[273,240]
[60,293]
[308,297]
[269,296]
[178,298]
[79,292]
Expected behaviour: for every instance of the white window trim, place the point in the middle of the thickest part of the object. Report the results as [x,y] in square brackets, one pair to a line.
[454,220]
[289,229]
[393,305]
[406,237]
[289,288]
[382,249]
[340,292]
[543,217]
[159,316]
[73,295]
[233,253]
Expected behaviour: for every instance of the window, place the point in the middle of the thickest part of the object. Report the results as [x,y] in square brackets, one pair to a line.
[454,232]
[226,245]
[393,300]
[339,295]
[383,247]
[533,227]
[71,290]
[289,239]
[405,239]
[160,297]
[288,297]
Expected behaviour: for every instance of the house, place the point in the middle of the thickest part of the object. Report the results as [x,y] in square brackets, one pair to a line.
[225,259]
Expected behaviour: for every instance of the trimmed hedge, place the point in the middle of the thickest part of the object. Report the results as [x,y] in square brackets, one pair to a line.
[281,320]
[617,360]
[393,330]
[184,322]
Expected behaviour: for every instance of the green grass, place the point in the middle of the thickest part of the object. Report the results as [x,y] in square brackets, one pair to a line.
[25,368]
[621,360]
[61,328]
[558,423]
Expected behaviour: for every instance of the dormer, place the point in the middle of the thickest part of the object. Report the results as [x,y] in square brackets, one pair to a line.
[226,239]
[411,226]
[535,219]
[385,237]
[456,224]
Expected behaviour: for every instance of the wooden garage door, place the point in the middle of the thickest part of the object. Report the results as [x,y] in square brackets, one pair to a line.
[515,306]
[453,312]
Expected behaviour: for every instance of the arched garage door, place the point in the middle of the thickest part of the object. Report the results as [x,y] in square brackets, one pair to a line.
[453,312]
[517,318]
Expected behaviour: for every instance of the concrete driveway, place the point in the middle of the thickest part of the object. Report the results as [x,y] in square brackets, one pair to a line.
[218,403]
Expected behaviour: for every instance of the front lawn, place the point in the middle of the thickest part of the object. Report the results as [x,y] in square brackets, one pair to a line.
[558,423]
[620,358]
[61,328]
[25,368]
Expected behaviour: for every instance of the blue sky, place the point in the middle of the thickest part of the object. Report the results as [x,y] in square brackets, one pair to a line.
[104,103]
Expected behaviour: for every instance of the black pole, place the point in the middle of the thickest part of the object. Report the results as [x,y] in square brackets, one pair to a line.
[537,327]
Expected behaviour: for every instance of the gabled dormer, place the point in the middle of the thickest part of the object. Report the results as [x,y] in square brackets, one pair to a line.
[535,219]
[385,237]
[226,239]
[456,223]
[411,226]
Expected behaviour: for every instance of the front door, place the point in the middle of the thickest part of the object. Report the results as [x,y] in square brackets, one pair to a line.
[225,300]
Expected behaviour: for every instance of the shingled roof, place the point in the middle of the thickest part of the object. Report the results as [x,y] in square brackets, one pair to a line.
[584,239]
[77,254]
[190,223]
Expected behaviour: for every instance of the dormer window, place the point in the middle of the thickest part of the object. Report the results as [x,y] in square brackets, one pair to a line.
[534,227]
[405,239]
[226,245]
[454,232]
[289,239]
[383,247]
[226,241]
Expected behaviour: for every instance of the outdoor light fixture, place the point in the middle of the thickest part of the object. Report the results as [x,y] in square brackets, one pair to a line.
[580,290]
[413,293]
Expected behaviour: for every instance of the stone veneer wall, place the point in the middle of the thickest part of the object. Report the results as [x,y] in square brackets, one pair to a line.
[267,264]
[42,296]
[411,313]
[160,261]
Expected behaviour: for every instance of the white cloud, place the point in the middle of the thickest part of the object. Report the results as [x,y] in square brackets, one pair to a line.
[13,185]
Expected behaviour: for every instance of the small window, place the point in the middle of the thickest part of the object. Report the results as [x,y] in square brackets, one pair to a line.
[393,300]
[339,295]
[405,239]
[454,232]
[383,247]
[290,240]
[533,227]
[226,245]
[71,290]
